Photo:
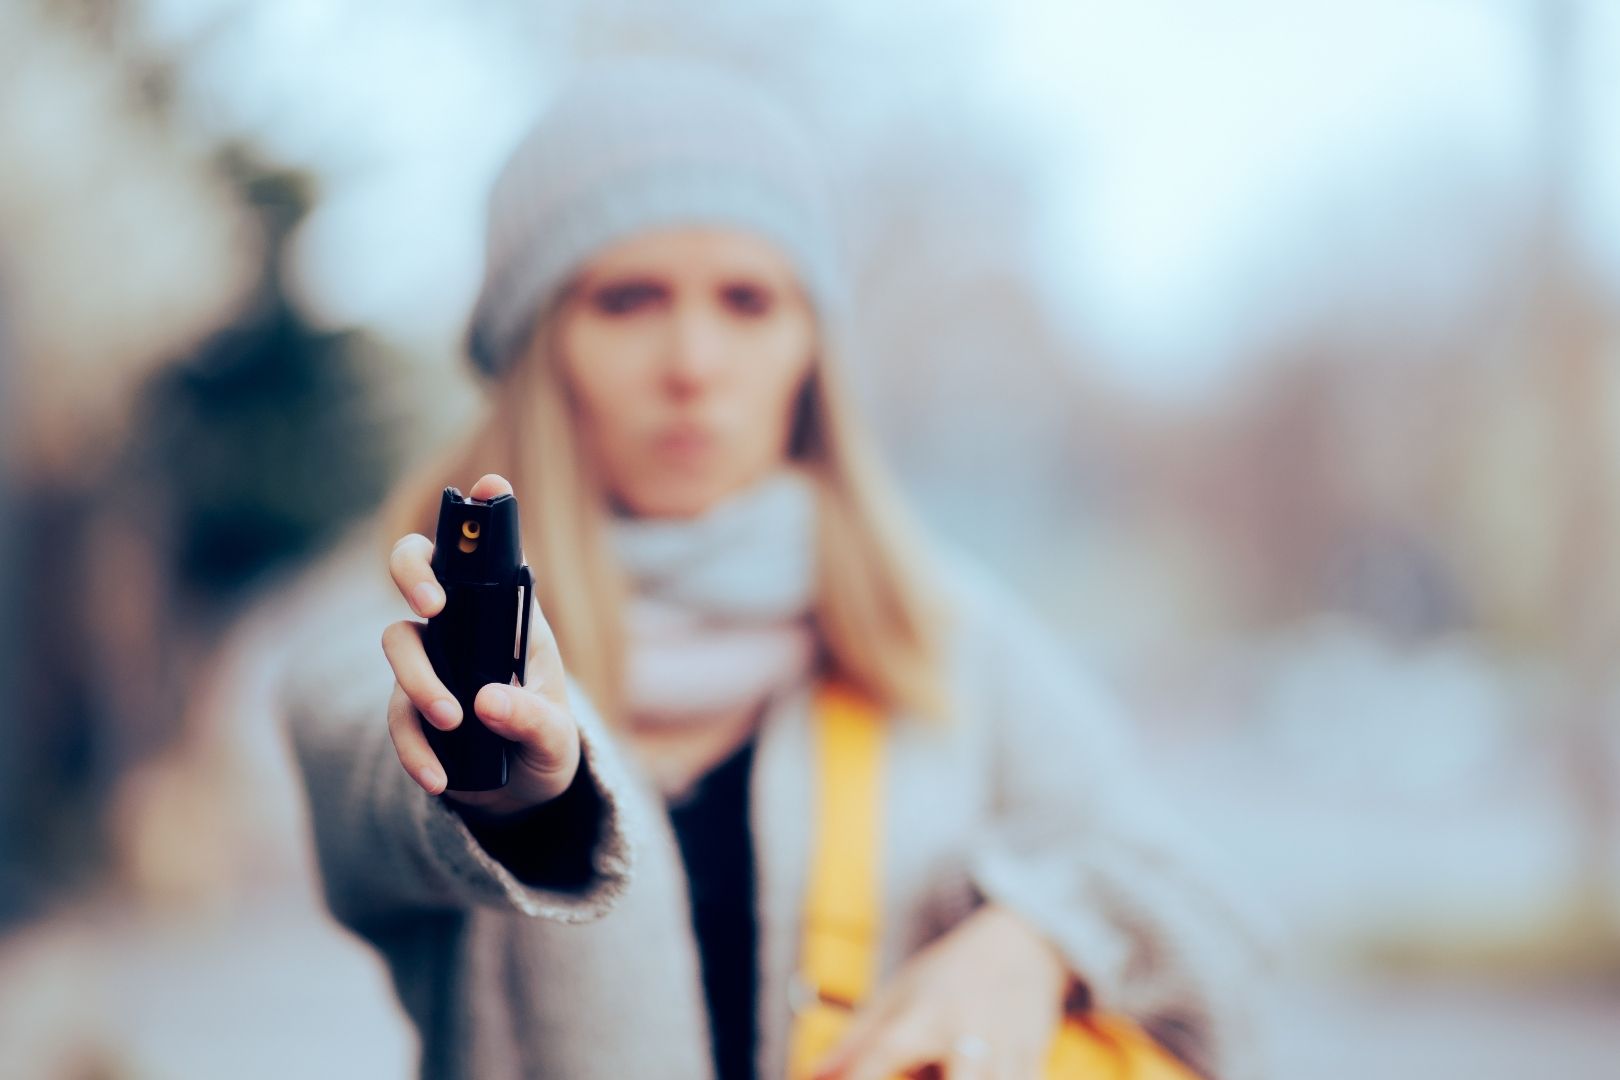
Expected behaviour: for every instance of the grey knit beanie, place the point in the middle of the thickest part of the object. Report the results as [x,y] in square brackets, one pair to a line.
[635,144]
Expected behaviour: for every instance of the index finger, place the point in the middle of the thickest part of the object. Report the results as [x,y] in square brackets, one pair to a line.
[488,486]
[410,564]
[411,561]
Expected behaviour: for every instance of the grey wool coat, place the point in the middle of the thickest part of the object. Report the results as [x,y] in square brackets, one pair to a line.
[1029,799]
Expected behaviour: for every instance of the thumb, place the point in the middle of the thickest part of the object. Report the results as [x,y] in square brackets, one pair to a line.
[489,486]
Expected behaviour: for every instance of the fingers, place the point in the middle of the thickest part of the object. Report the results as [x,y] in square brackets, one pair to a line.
[912,1052]
[411,745]
[890,1038]
[892,1049]
[547,737]
[971,1059]
[410,563]
[402,644]
[862,1028]
[868,1029]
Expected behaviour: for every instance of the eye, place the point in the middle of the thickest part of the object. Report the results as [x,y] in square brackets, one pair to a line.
[745,298]
[627,297]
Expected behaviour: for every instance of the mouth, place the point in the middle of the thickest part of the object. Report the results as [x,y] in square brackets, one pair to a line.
[684,441]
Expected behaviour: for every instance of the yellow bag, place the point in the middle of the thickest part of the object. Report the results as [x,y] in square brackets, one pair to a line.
[837,962]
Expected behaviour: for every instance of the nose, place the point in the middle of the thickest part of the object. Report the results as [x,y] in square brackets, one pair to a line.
[695,352]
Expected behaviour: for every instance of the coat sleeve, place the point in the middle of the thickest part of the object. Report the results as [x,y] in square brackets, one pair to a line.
[386,847]
[1078,845]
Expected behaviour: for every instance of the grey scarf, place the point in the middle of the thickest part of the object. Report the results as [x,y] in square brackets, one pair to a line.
[718,620]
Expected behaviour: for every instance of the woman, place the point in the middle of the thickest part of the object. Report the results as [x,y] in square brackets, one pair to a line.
[711,540]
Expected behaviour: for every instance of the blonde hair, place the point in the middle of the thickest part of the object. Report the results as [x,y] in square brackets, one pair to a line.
[879,618]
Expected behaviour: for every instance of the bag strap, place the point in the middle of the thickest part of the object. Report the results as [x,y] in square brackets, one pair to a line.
[843,900]
[844,903]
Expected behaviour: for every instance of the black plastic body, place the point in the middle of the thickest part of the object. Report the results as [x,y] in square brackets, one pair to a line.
[482,635]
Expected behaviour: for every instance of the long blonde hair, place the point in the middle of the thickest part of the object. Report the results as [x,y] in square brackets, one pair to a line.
[880,619]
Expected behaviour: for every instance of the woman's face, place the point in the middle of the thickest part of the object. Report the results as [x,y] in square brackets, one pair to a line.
[685,350]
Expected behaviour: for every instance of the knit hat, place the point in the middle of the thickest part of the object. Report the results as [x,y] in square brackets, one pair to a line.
[642,143]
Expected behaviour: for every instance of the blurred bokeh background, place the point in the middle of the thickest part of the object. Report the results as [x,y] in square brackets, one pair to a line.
[1271,349]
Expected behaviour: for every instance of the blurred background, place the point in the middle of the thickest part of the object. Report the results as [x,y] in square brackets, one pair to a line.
[1271,349]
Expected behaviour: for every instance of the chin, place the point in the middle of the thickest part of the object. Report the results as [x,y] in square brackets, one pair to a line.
[676,496]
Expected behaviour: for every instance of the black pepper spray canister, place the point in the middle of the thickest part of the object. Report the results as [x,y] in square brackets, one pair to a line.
[482,635]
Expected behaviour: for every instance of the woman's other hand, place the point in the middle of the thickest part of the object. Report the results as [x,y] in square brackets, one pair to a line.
[984,1001]
[535,716]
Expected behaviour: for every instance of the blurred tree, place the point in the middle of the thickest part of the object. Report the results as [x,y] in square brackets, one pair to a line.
[264,438]
[243,456]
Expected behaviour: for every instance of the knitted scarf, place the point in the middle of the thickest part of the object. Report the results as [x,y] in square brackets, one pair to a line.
[718,617]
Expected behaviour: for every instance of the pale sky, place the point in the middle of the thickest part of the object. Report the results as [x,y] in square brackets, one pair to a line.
[1210,181]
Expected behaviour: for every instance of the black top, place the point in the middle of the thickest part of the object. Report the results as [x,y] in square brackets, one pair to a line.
[712,826]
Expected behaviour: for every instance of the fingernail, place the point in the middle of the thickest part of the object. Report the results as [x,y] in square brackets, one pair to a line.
[426,595]
[432,777]
[499,703]
[446,713]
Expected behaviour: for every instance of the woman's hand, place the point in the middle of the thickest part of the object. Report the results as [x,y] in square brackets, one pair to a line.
[982,1001]
[535,716]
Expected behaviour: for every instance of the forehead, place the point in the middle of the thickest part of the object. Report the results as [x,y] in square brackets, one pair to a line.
[692,251]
